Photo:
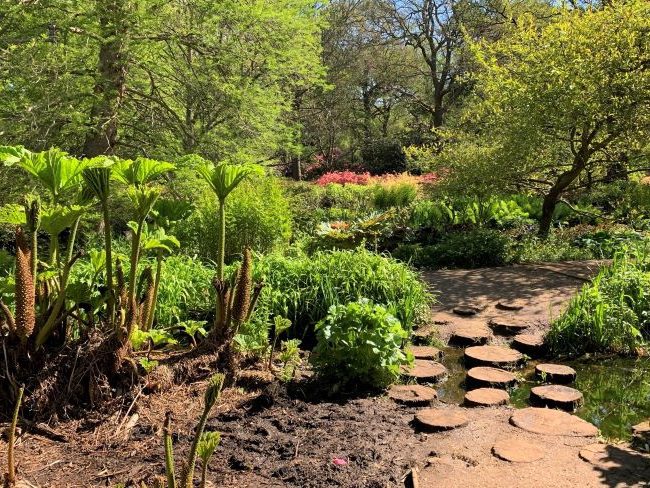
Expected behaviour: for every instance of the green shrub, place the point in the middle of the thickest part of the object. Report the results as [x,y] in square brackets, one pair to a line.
[397,195]
[559,246]
[257,215]
[610,314]
[360,342]
[303,288]
[471,249]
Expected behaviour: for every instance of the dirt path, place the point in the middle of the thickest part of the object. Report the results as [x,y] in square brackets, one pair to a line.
[272,437]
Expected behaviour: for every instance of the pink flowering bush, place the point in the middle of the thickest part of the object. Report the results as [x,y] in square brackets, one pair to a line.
[344,178]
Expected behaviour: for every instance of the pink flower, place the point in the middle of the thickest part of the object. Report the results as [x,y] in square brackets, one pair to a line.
[339,461]
[343,178]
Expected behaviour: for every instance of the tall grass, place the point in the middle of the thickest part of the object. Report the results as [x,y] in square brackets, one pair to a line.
[611,313]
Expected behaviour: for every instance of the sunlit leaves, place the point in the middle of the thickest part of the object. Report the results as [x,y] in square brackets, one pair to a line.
[223,178]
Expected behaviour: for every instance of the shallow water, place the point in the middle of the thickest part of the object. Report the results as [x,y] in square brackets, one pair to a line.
[616,390]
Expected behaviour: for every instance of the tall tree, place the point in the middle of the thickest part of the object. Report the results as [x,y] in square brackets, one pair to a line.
[557,101]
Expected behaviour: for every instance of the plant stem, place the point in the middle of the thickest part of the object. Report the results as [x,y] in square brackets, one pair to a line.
[10,479]
[108,249]
[169,451]
[54,248]
[72,239]
[156,285]
[188,475]
[135,257]
[222,238]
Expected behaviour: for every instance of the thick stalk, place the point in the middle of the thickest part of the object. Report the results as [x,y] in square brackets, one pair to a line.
[108,249]
[188,475]
[135,257]
[54,249]
[222,238]
[156,285]
[73,238]
[35,256]
[11,464]
[169,451]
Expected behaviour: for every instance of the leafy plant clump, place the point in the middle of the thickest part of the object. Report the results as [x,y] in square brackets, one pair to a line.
[360,342]
[303,288]
[610,314]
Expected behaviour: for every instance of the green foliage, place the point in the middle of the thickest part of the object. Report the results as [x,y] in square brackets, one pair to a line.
[360,342]
[257,216]
[397,195]
[610,314]
[290,359]
[471,249]
[303,288]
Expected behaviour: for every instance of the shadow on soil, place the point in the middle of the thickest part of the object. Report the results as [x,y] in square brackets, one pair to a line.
[623,467]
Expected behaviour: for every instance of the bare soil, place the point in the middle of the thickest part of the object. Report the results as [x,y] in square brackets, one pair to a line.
[274,436]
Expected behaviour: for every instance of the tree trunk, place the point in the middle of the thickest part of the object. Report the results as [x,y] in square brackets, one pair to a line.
[110,83]
[551,198]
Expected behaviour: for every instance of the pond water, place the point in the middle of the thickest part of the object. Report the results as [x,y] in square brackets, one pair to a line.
[616,390]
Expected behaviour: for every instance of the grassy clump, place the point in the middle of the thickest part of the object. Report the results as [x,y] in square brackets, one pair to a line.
[611,313]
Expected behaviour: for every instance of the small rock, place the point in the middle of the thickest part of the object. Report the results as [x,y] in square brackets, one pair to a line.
[435,419]
[555,373]
[412,395]
[556,396]
[486,397]
[517,451]
[425,370]
[507,325]
[497,356]
[466,310]
[471,334]
[552,422]
[482,376]
[511,305]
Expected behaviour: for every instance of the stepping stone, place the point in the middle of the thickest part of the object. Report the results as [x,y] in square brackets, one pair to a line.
[530,344]
[466,310]
[425,352]
[510,305]
[507,325]
[498,356]
[425,370]
[493,377]
[641,435]
[517,450]
[412,395]
[437,419]
[552,422]
[619,459]
[470,335]
[556,396]
[555,373]
[422,335]
[486,397]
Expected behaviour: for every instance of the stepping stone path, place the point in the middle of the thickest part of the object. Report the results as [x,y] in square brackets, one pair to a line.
[470,334]
[517,451]
[412,395]
[437,419]
[498,356]
[552,422]
[425,370]
[425,352]
[493,377]
[556,396]
[641,435]
[507,325]
[530,344]
[555,373]
[510,305]
[466,310]
[619,459]
[486,397]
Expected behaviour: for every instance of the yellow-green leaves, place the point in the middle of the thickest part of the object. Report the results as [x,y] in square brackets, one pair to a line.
[141,171]
[224,177]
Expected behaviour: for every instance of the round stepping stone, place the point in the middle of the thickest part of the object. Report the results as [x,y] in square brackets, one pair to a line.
[486,397]
[422,335]
[552,422]
[556,396]
[470,335]
[425,370]
[517,451]
[555,373]
[425,352]
[616,458]
[466,310]
[507,325]
[493,377]
[498,356]
[511,305]
[436,419]
[412,395]
[530,344]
